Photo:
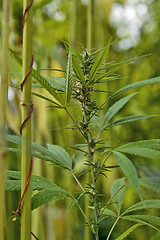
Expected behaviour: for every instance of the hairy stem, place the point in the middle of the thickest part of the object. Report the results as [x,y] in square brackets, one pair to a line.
[94,179]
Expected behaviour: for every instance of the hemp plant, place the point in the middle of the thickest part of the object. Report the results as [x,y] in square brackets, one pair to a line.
[84,72]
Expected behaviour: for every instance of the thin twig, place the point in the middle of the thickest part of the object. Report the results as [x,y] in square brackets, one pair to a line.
[77,181]
[112,228]
[106,158]
[100,107]
[74,121]
[115,194]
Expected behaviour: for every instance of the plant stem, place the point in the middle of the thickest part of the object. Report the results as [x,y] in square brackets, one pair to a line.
[26,131]
[112,228]
[3,106]
[77,181]
[109,154]
[74,121]
[91,159]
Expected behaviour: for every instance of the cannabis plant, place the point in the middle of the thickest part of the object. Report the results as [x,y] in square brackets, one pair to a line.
[84,74]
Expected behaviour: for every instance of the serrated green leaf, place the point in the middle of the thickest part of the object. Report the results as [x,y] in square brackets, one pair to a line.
[74,50]
[96,66]
[134,219]
[129,119]
[73,203]
[118,193]
[12,185]
[36,147]
[14,139]
[151,183]
[68,86]
[109,212]
[128,169]
[60,155]
[47,99]
[148,218]
[126,233]
[36,155]
[144,148]
[40,183]
[142,152]
[57,82]
[13,174]
[40,79]
[116,108]
[146,204]
[37,182]
[78,71]
[46,196]
[137,84]
[152,144]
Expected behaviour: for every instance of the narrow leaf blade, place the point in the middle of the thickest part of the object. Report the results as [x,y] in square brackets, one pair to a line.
[129,119]
[151,183]
[133,218]
[144,148]
[46,196]
[128,169]
[96,66]
[40,79]
[126,233]
[146,204]
[138,84]
[118,193]
[154,220]
[69,77]
[116,107]
[60,155]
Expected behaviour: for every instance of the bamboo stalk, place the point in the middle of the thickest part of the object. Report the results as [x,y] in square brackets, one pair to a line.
[26,131]
[90,24]
[73,23]
[3,106]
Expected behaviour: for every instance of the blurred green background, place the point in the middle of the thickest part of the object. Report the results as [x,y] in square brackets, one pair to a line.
[135,27]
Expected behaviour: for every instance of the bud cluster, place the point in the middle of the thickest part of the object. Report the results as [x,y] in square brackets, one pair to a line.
[83,94]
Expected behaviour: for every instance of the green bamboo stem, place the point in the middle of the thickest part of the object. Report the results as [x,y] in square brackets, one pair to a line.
[90,24]
[26,131]
[3,106]
[73,23]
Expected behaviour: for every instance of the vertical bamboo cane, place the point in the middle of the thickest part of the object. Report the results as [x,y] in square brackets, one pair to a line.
[3,106]
[73,24]
[90,24]
[26,131]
